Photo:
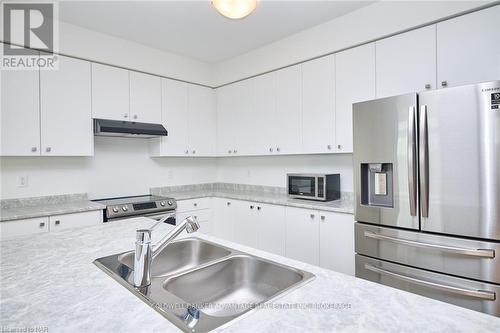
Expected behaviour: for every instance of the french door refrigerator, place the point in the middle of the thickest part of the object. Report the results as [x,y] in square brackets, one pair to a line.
[427,183]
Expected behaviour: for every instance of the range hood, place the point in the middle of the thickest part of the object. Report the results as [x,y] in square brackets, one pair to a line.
[131,129]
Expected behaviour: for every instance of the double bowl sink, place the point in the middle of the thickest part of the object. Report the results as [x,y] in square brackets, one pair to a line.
[199,285]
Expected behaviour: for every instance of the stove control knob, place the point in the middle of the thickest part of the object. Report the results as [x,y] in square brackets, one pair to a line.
[162,203]
[125,208]
[170,203]
[115,209]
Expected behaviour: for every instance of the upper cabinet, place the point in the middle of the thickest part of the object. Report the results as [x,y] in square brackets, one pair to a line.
[355,82]
[66,116]
[468,48]
[20,113]
[110,92]
[318,105]
[145,98]
[263,115]
[407,62]
[119,94]
[188,114]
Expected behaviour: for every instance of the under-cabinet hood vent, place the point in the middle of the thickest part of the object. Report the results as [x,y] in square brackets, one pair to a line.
[106,127]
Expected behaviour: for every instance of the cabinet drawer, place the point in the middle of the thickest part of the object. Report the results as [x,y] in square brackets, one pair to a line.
[192,204]
[201,215]
[11,229]
[67,221]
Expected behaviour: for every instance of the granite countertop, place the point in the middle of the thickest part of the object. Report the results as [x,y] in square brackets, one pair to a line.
[16,209]
[252,193]
[49,280]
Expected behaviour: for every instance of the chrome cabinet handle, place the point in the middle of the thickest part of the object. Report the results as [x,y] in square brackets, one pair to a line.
[424,161]
[258,207]
[270,150]
[323,217]
[482,294]
[484,253]
[278,149]
[228,203]
[57,222]
[34,149]
[125,115]
[42,224]
[312,216]
[48,149]
[412,158]
[427,86]
[195,204]
[135,116]
[251,207]
[229,151]
[444,83]
[194,151]
[235,151]
[186,152]
[339,147]
[329,147]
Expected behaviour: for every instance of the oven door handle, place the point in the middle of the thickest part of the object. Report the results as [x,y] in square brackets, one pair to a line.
[484,253]
[482,294]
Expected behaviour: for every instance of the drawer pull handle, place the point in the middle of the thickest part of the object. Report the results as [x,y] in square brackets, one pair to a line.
[58,222]
[484,253]
[42,224]
[312,216]
[482,294]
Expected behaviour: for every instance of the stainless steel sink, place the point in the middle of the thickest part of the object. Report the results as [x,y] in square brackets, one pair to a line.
[200,286]
[180,256]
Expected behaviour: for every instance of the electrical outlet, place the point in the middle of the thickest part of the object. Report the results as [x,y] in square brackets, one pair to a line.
[22,181]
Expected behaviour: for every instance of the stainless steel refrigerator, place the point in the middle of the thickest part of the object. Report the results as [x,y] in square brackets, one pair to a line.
[427,183]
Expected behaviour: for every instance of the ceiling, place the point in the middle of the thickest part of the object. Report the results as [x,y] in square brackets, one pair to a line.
[195,29]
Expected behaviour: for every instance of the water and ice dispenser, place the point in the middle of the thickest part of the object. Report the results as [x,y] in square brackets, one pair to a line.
[377,184]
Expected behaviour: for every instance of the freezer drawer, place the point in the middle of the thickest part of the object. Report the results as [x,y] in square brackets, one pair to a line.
[470,294]
[462,257]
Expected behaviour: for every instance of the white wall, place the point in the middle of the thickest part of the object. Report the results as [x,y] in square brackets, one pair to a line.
[272,170]
[120,167]
[365,24]
[80,42]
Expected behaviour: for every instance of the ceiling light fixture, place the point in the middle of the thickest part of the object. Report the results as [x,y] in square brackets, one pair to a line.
[235,9]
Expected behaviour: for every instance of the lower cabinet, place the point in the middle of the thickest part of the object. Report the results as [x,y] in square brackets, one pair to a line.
[12,229]
[201,209]
[223,218]
[302,235]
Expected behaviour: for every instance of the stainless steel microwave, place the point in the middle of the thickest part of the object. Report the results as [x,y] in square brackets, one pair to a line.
[314,186]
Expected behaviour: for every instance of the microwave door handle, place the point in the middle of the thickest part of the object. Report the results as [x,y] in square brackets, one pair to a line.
[424,161]
[412,159]
[481,294]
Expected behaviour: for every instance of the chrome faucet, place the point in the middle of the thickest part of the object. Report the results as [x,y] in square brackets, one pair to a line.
[145,253]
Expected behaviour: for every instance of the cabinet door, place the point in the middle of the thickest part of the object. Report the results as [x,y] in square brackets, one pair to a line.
[302,235]
[75,220]
[468,48]
[201,121]
[354,82]
[262,121]
[270,220]
[145,98]
[244,135]
[66,115]
[223,219]
[245,223]
[12,229]
[20,113]
[337,242]
[287,123]
[318,105]
[175,118]
[225,120]
[406,62]
[110,92]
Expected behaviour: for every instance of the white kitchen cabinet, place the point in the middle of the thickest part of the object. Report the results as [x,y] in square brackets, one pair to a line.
[225,118]
[287,126]
[201,121]
[175,118]
[74,220]
[262,121]
[245,223]
[223,218]
[355,82]
[302,235]
[468,48]
[110,92]
[318,105]
[145,98]
[406,62]
[336,232]
[12,229]
[271,227]
[65,109]
[193,204]
[20,113]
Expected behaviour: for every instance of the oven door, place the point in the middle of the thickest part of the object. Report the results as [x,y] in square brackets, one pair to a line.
[302,186]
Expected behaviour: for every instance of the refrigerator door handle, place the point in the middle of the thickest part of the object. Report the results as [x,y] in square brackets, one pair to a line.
[412,158]
[424,161]
[484,253]
[481,294]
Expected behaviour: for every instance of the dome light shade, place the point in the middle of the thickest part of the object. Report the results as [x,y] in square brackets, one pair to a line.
[235,9]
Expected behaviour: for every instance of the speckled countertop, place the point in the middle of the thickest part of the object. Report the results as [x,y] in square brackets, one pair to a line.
[264,194]
[25,208]
[49,280]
